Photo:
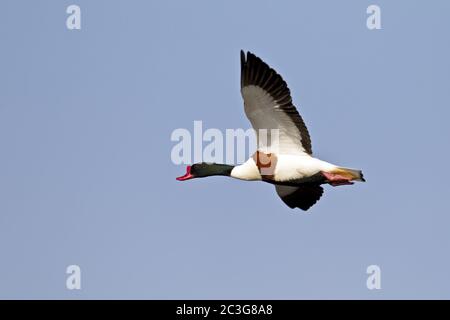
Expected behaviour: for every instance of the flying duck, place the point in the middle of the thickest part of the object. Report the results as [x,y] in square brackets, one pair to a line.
[287,162]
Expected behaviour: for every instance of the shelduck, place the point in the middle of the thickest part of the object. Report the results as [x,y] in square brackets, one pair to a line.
[286,162]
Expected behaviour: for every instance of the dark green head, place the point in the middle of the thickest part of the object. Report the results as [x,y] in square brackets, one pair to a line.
[205,169]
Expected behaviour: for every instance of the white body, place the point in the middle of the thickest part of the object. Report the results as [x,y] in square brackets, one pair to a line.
[288,167]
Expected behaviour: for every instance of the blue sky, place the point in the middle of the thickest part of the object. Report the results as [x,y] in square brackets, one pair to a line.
[86,176]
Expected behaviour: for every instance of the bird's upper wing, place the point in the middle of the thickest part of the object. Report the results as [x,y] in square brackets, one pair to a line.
[268,105]
[303,197]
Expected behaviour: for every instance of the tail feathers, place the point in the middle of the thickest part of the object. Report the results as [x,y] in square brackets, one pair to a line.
[353,174]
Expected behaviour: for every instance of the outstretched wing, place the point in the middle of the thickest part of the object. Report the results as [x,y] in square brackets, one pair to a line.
[268,105]
[303,197]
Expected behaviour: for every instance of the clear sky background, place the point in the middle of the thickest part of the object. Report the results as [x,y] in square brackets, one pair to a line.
[86,176]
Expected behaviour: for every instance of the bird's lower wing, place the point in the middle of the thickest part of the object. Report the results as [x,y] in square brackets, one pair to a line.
[303,197]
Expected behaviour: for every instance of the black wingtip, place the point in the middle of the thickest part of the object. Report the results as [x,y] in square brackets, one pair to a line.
[247,54]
